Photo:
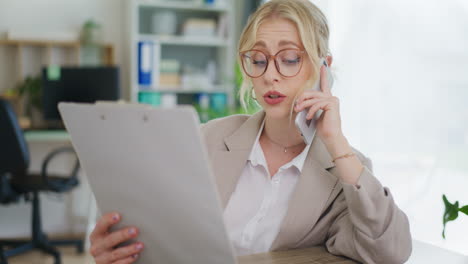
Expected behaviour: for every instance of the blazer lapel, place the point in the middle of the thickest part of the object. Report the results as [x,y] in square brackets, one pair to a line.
[313,190]
[228,164]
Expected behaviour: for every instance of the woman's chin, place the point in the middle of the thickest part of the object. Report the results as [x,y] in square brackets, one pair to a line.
[278,112]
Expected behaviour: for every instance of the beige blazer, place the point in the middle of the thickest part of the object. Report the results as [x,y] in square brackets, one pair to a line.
[360,223]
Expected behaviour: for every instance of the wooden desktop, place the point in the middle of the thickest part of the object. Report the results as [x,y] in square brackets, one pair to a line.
[314,255]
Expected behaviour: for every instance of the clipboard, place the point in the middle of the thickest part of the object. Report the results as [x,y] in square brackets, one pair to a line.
[150,165]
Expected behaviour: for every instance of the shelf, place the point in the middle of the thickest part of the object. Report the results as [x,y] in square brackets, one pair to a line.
[44,43]
[107,55]
[193,51]
[185,40]
[187,91]
[183,5]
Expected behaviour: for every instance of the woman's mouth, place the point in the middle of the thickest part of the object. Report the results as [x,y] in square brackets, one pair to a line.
[273,101]
[273,97]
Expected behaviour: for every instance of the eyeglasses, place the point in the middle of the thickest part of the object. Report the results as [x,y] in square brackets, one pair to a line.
[288,62]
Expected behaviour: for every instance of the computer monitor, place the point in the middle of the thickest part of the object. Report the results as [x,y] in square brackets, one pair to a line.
[77,84]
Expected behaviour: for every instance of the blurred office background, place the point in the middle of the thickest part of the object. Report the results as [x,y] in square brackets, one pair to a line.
[401,75]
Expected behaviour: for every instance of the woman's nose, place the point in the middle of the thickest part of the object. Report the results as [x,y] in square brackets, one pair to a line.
[271,74]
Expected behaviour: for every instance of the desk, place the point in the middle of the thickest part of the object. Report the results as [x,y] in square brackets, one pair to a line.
[314,255]
[429,254]
[47,136]
[422,253]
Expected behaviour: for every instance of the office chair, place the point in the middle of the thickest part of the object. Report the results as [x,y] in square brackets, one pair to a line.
[16,183]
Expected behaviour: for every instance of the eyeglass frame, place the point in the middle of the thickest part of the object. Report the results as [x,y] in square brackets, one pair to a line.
[268,56]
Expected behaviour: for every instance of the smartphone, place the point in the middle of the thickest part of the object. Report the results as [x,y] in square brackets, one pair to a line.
[308,127]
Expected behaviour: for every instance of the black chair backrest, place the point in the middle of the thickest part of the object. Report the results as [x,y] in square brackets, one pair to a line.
[14,153]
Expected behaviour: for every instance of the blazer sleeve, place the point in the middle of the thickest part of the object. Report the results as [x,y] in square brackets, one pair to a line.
[370,227]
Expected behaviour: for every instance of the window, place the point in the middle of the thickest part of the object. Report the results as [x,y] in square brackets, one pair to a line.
[402,78]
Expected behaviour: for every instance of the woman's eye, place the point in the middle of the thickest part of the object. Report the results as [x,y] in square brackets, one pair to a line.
[291,61]
[259,62]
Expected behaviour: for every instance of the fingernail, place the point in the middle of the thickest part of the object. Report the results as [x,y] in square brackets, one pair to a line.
[135,256]
[132,231]
[139,246]
[115,217]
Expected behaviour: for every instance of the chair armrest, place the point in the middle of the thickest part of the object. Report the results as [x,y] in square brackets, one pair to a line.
[50,157]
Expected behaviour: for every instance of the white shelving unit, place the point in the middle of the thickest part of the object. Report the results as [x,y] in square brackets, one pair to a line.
[192,5]
[188,50]
[186,41]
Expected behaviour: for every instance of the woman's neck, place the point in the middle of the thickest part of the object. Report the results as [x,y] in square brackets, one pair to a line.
[282,131]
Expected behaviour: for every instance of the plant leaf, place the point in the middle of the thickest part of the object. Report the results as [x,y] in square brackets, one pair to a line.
[464,209]
[450,214]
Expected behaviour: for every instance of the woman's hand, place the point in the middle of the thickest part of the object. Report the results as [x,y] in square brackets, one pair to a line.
[329,128]
[103,243]
[329,123]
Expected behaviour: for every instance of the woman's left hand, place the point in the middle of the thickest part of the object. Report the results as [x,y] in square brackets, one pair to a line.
[329,123]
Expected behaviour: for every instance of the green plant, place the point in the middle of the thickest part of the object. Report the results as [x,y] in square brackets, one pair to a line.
[31,87]
[238,80]
[11,92]
[91,32]
[207,114]
[451,212]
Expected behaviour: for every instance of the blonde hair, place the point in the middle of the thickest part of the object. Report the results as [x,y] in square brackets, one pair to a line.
[313,31]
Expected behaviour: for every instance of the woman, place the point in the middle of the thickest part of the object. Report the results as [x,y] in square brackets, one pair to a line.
[277,192]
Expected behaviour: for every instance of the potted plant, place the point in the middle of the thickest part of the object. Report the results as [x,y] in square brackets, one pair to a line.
[451,212]
[91,33]
[31,91]
[91,40]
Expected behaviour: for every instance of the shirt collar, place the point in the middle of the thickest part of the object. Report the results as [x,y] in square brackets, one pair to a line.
[257,156]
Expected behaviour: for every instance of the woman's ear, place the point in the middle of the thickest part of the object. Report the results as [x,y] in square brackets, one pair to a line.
[329,60]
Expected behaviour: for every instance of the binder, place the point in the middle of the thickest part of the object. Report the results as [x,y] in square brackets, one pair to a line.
[155,75]
[145,63]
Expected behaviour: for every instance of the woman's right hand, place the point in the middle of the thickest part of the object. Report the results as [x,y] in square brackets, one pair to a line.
[103,242]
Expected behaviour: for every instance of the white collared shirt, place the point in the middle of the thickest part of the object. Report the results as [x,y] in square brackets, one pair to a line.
[258,204]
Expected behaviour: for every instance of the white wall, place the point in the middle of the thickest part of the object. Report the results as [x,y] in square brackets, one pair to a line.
[67,214]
